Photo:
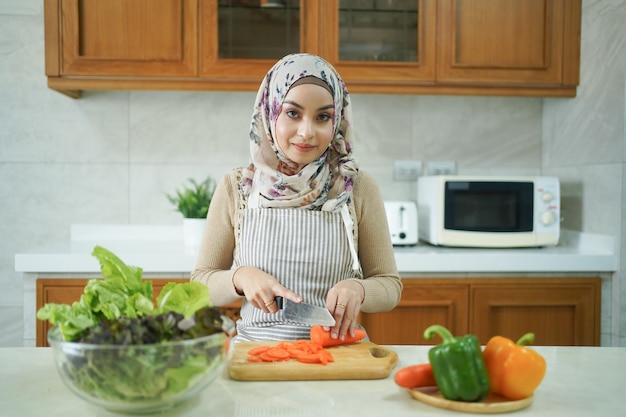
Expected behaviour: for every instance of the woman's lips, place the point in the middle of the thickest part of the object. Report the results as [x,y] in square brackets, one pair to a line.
[302,147]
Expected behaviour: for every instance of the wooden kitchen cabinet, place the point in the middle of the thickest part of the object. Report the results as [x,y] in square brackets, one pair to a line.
[560,311]
[69,290]
[495,42]
[119,44]
[365,41]
[476,47]
[239,43]
[424,302]
[167,44]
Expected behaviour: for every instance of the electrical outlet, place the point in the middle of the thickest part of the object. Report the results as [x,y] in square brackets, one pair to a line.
[407,170]
[441,168]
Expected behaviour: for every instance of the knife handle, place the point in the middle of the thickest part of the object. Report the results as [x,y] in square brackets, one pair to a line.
[279,302]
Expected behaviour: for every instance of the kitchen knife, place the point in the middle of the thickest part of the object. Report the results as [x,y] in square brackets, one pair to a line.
[305,313]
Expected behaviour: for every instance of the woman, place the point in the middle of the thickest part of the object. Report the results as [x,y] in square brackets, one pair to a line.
[301,221]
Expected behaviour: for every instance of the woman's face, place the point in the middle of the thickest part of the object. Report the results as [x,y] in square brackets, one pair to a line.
[304,127]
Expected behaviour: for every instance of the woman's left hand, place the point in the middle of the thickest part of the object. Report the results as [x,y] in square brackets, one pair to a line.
[344,302]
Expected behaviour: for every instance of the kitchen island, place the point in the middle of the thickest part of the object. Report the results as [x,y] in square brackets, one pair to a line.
[580,381]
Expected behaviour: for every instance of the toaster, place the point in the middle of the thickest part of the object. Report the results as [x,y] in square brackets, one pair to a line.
[402,221]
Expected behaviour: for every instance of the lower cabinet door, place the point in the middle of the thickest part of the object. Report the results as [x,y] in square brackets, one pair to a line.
[424,302]
[560,312]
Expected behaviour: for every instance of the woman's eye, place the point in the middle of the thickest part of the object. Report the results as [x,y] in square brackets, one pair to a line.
[325,117]
[292,113]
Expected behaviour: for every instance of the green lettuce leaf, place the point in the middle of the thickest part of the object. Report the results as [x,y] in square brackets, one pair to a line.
[185,298]
[117,273]
[71,319]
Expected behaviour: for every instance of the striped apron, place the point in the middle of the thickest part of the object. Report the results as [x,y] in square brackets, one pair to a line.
[306,251]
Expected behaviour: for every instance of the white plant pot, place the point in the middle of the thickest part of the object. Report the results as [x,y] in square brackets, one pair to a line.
[193,229]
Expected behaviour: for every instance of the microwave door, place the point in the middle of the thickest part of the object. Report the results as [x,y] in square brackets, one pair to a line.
[488,206]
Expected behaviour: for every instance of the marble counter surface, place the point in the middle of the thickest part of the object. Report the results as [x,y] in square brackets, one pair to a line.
[580,381]
[160,249]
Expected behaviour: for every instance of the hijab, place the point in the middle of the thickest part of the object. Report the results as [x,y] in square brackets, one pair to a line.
[273,180]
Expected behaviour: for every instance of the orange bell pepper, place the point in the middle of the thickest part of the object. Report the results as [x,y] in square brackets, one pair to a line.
[515,371]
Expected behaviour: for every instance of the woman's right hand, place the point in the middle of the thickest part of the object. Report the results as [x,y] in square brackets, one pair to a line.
[261,288]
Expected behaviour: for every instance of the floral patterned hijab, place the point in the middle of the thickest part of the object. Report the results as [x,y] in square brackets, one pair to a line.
[271,179]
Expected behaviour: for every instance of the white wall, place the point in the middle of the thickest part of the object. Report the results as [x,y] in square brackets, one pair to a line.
[583,144]
[109,156]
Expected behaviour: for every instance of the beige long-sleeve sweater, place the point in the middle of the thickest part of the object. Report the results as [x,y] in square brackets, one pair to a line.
[381,280]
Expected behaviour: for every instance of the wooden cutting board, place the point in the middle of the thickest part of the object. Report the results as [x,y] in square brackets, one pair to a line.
[362,360]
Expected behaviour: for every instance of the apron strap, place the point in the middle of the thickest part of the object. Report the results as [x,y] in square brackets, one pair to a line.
[348,224]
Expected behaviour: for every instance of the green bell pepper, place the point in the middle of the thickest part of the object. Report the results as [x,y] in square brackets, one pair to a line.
[458,365]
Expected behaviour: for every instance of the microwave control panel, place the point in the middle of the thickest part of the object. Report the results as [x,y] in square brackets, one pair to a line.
[547,203]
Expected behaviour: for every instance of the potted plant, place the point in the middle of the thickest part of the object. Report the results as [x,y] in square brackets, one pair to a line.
[193,203]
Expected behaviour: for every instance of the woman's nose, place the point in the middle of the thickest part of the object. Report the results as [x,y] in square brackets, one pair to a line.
[306,130]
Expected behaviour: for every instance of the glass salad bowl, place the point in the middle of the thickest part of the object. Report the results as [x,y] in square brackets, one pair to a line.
[140,379]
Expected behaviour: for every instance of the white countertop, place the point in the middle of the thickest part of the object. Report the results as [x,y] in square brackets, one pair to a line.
[580,381]
[160,249]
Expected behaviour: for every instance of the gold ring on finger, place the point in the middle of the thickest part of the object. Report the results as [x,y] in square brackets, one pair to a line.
[270,303]
[341,305]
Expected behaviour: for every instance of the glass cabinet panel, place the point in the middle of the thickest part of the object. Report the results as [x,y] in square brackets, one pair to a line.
[258,29]
[378,30]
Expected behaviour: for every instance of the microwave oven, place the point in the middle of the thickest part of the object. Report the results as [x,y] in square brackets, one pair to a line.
[488,211]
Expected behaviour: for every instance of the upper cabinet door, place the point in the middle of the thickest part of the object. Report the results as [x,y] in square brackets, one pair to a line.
[529,42]
[379,45]
[138,38]
[241,40]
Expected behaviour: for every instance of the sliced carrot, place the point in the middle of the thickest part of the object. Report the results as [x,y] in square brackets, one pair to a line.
[323,338]
[293,352]
[278,353]
[309,358]
[327,355]
[303,351]
[283,345]
[258,350]
[268,358]
[316,347]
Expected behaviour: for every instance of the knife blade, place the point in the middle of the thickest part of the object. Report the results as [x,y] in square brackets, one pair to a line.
[305,313]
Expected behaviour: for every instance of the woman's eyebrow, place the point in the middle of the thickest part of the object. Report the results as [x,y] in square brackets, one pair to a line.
[329,106]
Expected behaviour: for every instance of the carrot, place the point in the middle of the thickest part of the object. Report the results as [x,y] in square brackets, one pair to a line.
[415,376]
[278,353]
[323,338]
[309,358]
[258,350]
[266,357]
[326,356]
[303,351]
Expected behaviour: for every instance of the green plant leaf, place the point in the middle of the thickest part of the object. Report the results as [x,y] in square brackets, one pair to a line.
[193,201]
